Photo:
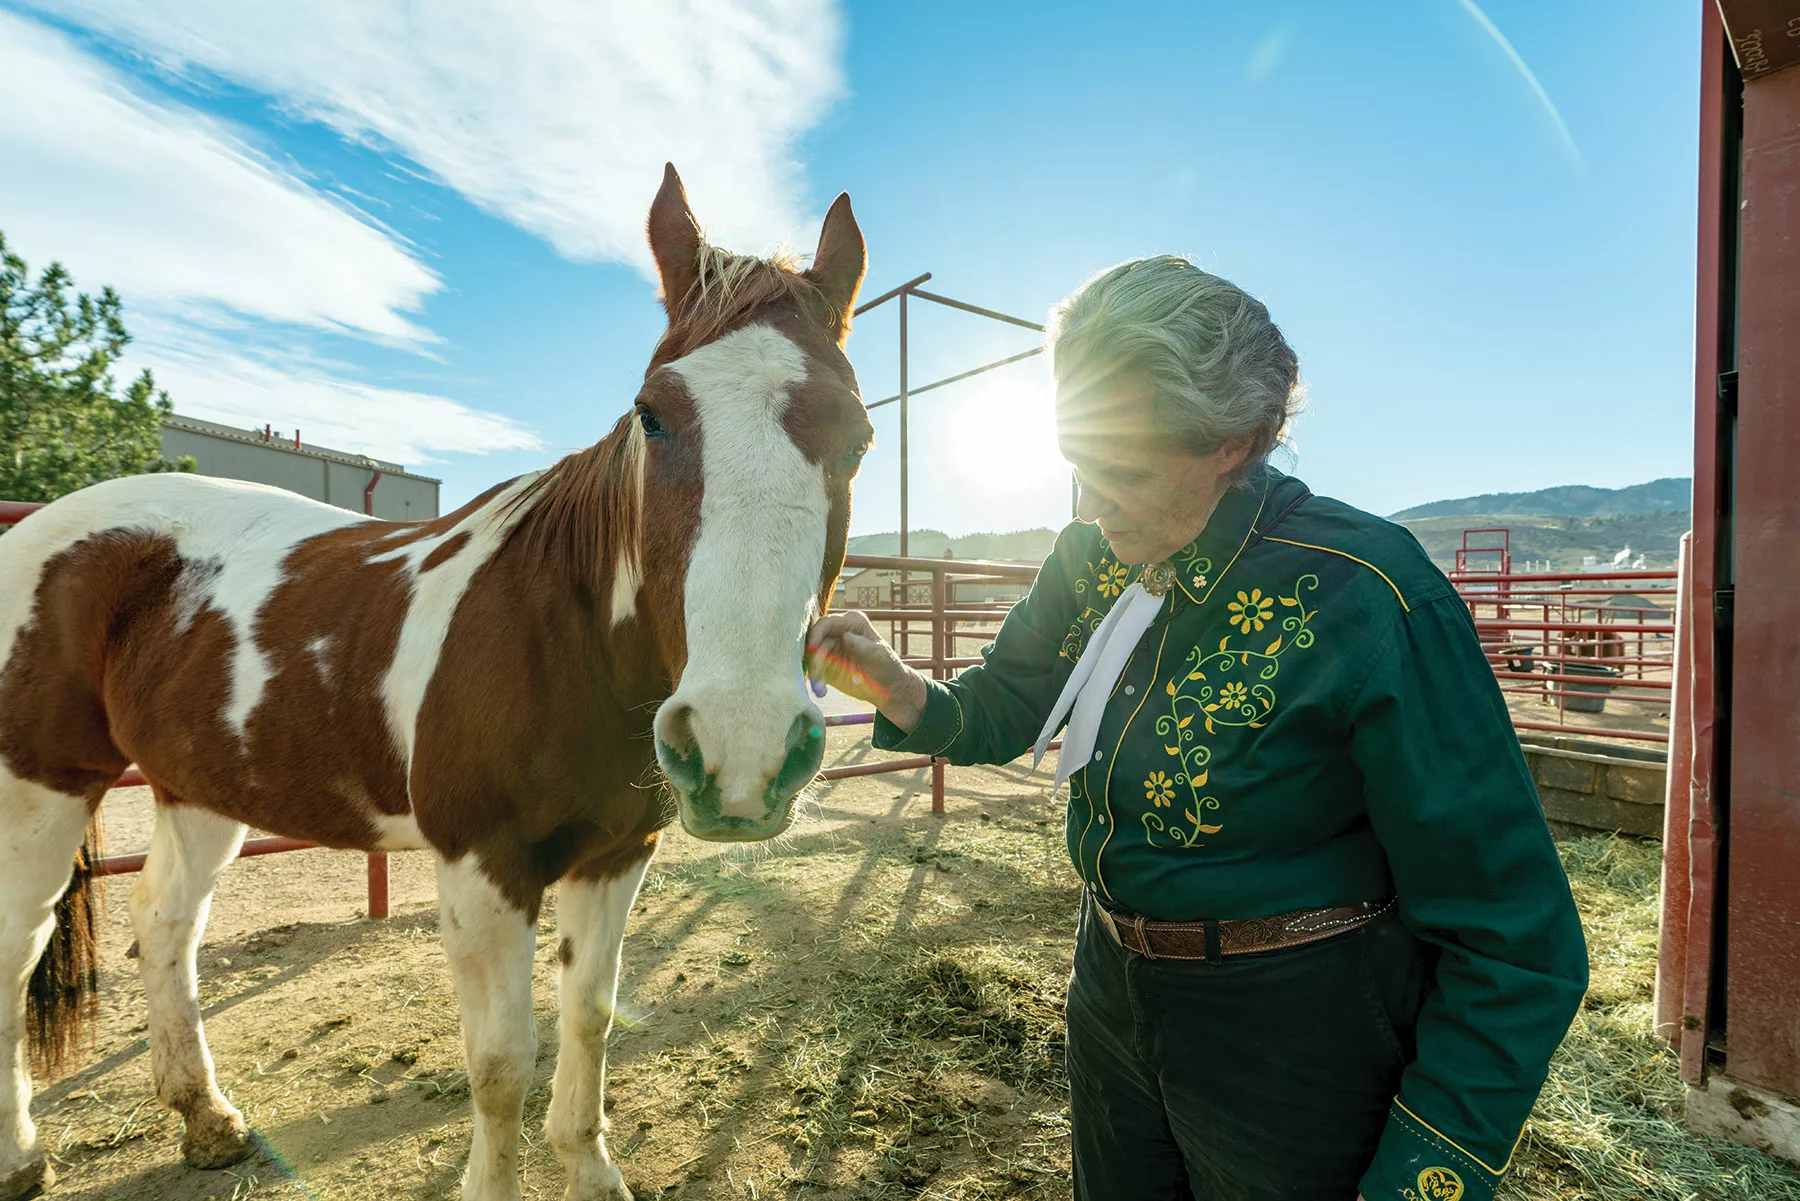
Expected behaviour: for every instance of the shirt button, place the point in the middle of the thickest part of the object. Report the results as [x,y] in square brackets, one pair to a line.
[1099,755]
[1130,688]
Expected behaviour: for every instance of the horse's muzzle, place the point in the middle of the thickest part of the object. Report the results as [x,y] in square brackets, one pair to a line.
[759,813]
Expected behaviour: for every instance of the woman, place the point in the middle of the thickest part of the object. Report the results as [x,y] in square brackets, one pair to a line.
[1326,945]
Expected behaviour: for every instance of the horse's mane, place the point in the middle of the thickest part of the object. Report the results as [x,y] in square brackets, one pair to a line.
[585,514]
[727,288]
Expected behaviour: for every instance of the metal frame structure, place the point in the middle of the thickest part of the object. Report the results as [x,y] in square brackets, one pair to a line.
[1729,962]
[912,289]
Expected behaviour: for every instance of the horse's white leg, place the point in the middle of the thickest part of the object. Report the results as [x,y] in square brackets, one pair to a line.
[490,941]
[590,918]
[40,832]
[169,905]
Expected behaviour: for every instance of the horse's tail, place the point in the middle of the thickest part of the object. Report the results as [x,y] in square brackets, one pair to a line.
[62,1001]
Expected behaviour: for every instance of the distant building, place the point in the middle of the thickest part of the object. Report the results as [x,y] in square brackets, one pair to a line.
[336,477]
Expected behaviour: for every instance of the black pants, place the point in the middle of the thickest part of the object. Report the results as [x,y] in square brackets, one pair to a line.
[1264,1076]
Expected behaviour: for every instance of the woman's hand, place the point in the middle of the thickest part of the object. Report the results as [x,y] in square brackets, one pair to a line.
[844,651]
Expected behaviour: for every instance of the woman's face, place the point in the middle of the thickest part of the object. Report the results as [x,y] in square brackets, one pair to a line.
[1149,496]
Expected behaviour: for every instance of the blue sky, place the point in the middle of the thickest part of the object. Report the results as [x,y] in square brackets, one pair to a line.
[422,240]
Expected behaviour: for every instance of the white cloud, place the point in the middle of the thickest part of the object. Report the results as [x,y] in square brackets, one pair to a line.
[557,115]
[224,260]
[173,210]
[235,385]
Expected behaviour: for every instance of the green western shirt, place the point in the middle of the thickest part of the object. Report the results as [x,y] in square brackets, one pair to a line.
[1310,722]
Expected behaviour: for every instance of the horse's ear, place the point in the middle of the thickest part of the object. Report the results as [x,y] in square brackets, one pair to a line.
[674,241]
[840,261]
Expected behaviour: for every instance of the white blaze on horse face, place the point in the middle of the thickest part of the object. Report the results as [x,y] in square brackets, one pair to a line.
[753,575]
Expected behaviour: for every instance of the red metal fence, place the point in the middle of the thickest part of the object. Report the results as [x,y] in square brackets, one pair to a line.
[1571,641]
[1568,642]
[1577,642]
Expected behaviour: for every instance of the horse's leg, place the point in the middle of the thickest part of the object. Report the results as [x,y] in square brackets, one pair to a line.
[169,905]
[490,942]
[40,832]
[590,918]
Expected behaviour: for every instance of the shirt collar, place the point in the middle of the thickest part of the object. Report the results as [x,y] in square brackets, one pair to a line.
[1202,563]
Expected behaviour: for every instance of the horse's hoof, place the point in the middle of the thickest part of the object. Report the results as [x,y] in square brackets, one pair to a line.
[618,1192]
[609,1187]
[216,1141]
[27,1181]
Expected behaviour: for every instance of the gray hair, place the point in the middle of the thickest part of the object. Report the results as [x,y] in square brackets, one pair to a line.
[1219,366]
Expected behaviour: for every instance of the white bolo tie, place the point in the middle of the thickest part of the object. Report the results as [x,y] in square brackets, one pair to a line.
[1084,697]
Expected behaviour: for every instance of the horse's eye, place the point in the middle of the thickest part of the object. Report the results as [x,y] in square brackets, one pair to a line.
[653,427]
[853,458]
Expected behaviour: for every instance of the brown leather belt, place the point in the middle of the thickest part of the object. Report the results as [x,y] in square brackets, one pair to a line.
[1213,940]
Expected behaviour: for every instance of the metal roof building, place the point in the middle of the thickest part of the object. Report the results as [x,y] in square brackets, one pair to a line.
[265,456]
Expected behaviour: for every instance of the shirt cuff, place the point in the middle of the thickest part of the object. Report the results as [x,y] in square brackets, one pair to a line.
[940,725]
[1416,1163]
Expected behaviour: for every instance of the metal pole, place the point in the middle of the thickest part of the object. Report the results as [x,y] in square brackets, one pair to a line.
[939,653]
[378,884]
[903,459]
[905,628]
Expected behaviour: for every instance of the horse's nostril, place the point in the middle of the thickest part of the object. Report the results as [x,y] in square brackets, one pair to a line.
[805,751]
[805,730]
[677,730]
[678,749]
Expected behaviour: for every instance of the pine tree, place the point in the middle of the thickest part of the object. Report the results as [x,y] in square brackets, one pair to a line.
[63,422]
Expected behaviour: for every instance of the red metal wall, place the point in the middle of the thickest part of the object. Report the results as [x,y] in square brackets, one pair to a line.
[1763,885]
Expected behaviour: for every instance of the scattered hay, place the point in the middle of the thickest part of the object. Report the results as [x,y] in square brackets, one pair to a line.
[1608,1124]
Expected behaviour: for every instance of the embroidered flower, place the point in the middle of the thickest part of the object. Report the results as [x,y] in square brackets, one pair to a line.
[1112,578]
[1249,612]
[1159,789]
[1234,696]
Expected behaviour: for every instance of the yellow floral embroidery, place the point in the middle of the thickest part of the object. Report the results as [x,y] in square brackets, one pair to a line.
[1201,698]
[1250,612]
[1159,789]
[1106,580]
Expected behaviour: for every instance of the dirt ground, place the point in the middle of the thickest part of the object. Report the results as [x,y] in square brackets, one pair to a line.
[870,1008]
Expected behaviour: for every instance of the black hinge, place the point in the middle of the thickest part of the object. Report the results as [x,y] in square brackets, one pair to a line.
[1728,391]
[1724,600]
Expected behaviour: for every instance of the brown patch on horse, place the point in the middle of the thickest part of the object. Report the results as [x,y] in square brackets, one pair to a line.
[535,732]
[89,599]
[444,551]
[327,632]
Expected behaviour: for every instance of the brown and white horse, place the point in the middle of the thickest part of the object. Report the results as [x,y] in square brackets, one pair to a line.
[496,686]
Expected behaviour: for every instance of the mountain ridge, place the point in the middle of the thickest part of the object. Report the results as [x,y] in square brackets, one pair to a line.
[1562,527]
[1671,494]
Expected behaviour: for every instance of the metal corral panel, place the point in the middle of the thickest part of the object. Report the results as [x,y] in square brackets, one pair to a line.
[335,477]
[1763,881]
